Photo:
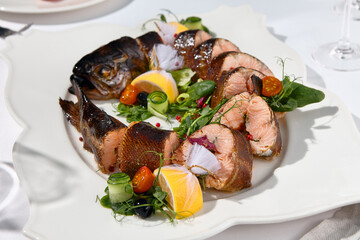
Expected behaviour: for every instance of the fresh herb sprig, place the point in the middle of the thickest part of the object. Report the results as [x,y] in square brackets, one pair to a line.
[132,112]
[293,94]
[192,122]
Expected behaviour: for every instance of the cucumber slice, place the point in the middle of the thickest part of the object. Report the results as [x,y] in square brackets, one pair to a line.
[120,187]
[158,104]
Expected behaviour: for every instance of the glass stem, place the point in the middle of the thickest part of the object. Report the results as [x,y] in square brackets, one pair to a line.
[344,42]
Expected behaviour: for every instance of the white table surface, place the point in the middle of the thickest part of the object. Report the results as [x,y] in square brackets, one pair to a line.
[303,25]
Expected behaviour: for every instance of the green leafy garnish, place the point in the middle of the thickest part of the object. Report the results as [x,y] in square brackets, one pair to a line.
[293,95]
[186,102]
[183,78]
[155,197]
[201,89]
[133,112]
[193,121]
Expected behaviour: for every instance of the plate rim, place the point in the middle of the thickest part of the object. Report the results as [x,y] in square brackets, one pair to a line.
[34,10]
[223,226]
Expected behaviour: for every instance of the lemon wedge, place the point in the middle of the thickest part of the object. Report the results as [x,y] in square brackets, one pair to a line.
[157,80]
[183,190]
[179,27]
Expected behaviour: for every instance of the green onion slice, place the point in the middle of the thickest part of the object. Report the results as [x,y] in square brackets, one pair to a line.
[158,104]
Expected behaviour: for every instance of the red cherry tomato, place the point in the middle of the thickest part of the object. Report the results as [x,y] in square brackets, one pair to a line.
[143,180]
[271,86]
[128,95]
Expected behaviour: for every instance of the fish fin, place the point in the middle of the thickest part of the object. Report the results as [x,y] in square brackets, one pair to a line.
[71,112]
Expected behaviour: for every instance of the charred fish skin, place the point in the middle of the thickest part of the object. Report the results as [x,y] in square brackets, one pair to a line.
[71,112]
[257,83]
[110,68]
[277,147]
[96,128]
[148,41]
[209,49]
[202,57]
[101,133]
[236,81]
[232,59]
[141,145]
[243,168]
[186,42]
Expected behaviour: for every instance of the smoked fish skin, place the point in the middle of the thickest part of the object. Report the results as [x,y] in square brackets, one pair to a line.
[233,82]
[101,132]
[140,146]
[186,42]
[207,51]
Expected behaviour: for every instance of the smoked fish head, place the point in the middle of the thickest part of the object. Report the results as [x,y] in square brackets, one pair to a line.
[105,72]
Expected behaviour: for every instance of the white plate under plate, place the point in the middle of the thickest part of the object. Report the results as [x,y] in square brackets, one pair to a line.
[41,6]
[317,171]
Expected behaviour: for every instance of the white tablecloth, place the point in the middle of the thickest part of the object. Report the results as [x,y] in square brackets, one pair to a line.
[303,25]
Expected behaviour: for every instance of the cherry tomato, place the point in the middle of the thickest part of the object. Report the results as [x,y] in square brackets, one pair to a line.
[271,86]
[128,95]
[143,180]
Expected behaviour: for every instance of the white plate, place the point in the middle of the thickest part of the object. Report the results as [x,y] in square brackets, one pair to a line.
[40,6]
[317,171]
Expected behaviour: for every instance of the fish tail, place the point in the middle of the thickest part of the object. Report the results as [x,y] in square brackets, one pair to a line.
[71,112]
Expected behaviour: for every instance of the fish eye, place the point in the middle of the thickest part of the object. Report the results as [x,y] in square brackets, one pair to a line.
[105,72]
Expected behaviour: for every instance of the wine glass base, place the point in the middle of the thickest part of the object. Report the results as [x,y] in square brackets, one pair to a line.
[331,56]
[355,9]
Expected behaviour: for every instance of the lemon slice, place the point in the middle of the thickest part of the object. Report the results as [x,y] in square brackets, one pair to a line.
[157,80]
[183,190]
[179,27]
